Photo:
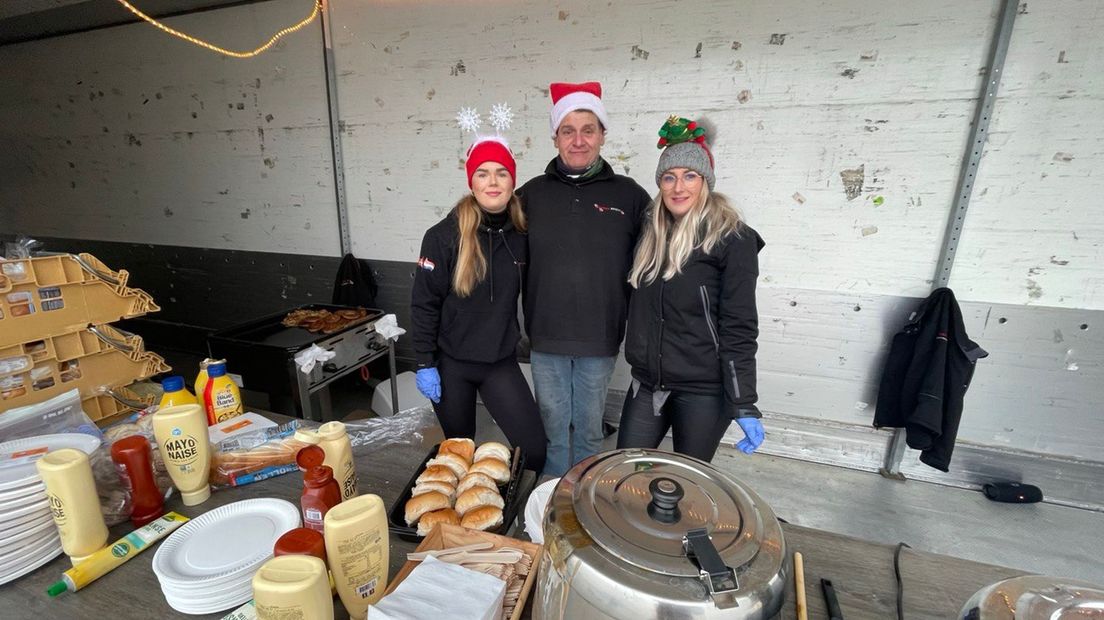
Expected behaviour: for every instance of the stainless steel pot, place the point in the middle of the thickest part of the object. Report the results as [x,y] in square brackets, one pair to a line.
[638,534]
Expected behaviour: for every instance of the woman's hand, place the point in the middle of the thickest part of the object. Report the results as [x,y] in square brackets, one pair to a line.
[428,381]
[753,434]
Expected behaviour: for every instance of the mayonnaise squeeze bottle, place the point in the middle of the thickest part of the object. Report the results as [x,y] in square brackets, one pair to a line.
[339,457]
[357,550]
[181,434]
[293,586]
[74,503]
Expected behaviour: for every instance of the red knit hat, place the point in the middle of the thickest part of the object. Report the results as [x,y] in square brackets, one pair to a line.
[490,149]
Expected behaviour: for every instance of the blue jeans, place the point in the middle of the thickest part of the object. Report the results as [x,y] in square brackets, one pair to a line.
[571,396]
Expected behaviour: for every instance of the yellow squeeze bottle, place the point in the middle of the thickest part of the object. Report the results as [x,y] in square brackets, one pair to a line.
[174,393]
[357,550]
[181,434]
[221,397]
[339,457]
[108,558]
[293,586]
[71,490]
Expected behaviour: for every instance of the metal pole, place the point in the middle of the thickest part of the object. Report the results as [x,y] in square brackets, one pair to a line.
[335,133]
[975,146]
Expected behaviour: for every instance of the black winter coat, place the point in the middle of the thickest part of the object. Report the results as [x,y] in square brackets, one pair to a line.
[697,331]
[929,368]
[481,327]
[581,239]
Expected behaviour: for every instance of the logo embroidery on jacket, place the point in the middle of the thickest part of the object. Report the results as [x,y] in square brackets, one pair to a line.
[601,208]
[426,264]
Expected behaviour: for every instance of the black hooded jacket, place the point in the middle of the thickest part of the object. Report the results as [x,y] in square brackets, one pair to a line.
[929,368]
[697,331]
[483,326]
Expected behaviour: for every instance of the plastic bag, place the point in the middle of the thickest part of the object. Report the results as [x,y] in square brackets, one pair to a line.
[401,429]
[252,456]
[140,423]
[63,414]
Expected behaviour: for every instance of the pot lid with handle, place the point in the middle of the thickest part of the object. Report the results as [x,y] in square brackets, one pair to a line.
[659,511]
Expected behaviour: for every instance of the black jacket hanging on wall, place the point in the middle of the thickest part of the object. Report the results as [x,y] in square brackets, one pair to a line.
[930,364]
[355,285]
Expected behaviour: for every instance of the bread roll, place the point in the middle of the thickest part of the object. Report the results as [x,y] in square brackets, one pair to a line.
[461,447]
[476,479]
[477,496]
[495,449]
[429,519]
[456,463]
[494,468]
[434,486]
[437,473]
[426,502]
[483,518]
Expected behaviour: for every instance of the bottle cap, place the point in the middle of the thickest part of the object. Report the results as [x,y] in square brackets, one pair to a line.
[216,369]
[301,541]
[318,476]
[58,587]
[332,430]
[172,383]
[310,457]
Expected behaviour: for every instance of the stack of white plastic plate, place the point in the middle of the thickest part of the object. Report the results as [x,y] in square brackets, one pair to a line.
[28,536]
[207,565]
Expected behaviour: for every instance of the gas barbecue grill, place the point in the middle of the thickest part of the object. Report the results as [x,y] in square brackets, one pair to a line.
[263,351]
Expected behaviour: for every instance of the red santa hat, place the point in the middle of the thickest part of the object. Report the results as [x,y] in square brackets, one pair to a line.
[492,148]
[567,98]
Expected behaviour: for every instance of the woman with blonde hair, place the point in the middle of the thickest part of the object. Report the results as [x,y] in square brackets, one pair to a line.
[693,324]
[464,307]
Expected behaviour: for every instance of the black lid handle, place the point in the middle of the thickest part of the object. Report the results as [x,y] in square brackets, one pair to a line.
[666,494]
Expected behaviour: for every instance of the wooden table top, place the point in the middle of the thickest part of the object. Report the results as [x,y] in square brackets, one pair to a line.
[935,586]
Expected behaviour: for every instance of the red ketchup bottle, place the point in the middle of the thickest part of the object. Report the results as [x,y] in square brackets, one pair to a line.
[133,454]
[320,490]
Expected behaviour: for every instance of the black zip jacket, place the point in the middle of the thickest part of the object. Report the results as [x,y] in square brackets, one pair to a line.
[581,239]
[481,327]
[697,331]
[929,368]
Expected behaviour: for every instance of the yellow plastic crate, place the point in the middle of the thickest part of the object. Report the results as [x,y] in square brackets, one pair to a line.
[63,293]
[102,408]
[89,360]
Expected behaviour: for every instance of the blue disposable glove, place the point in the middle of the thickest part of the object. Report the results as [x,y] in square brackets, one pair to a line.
[429,383]
[753,434]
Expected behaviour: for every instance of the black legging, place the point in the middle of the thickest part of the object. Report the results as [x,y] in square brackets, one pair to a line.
[507,397]
[699,421]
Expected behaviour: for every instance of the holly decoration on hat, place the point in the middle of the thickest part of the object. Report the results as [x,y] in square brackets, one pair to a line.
[677,130]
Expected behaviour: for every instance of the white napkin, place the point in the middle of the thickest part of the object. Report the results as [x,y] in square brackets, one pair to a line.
[388,327]
[436,589]
[307,358]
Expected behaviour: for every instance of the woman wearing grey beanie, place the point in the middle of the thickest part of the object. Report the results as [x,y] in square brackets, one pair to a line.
[693,323]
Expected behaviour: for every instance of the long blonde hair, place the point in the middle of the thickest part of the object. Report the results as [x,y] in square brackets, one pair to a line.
[471,265]
[666,243]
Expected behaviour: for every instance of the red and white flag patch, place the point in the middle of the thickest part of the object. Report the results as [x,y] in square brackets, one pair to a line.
[426,264]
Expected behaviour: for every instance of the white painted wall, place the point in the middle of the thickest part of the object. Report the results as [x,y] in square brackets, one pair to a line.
[127,134]
[886,87]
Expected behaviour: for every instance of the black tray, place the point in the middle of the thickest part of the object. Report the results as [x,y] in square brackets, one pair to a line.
[396,518]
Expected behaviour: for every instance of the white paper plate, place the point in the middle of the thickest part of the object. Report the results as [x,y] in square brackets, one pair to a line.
[11,574]
[8,528]
[208,589]
[39,507]
[208,605]
[24,532]
[224,542]
[43,547]
[11,505]
[18,475]
[34,488]
[34,541]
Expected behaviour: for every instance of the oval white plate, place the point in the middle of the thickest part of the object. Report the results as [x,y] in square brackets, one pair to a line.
[26,521]
[225,541]
[14,552]
[46,557]
[205,605]
[18,475]
[11,505]
[34,488]
[40,506]
[23,533]
[47,545]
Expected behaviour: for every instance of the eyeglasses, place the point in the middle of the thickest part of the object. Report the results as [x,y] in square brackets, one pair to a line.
[668,180]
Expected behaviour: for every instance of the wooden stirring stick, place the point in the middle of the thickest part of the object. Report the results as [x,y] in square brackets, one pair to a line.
[799,586]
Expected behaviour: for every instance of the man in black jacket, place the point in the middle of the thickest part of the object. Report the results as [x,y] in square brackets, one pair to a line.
[926,375]
[583,224]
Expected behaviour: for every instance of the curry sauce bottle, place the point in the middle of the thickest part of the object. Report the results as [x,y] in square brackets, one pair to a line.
[221,398]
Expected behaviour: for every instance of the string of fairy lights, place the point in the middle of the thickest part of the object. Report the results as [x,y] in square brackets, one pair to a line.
[317,8]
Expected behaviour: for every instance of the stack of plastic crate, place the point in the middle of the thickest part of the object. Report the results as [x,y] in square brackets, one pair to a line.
[55,334]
